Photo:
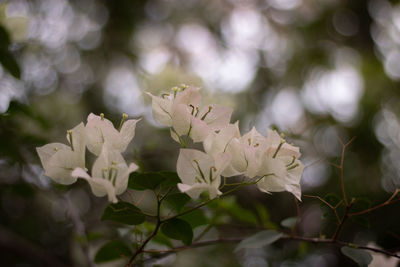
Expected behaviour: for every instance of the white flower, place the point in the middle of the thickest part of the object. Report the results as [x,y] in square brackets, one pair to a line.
[100,130]
[199,123]
[219,142]
[163,107]
[60,160]
[280,167]
[200,172]
[182,111]
[110,173]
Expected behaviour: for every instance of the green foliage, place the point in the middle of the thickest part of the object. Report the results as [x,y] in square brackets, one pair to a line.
[360,204]
[229,205]
[177,201]
[123,212]
[178,229]
[143,181]
[361,257]
[195,218]
[259,240]
[7,60]
[289,222]
[112,251]
[152,180]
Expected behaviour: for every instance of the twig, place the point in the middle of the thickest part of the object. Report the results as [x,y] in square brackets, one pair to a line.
[140,249]
[334,209]
[344,218]
[387,202]
[340,167]
[285,237]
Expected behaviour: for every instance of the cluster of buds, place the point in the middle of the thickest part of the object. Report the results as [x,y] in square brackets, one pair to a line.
[110,172]
[269,161]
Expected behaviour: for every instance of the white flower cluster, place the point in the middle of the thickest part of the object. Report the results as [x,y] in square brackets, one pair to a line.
[270,161]
[110,173]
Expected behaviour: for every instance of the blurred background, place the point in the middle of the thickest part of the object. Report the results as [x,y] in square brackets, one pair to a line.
[317,70]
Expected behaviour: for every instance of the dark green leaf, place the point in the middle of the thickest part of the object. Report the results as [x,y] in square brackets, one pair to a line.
[162,239]
[24,190]
[112,251]
[195,218]
[4,38]
[178,229]
[332,199]
[360,204]
[361,220]
[289,222]
[9,63]
[177,201]
[123,212]
[170,178]
[361,257]
[259,240]
[235,210]
[142,181]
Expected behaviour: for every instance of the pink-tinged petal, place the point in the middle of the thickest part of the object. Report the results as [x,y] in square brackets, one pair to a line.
[162,109]
[189,96]
[187,167]
[181,119]
[122,182]
[200,130]
[174,135]
[195,190]
[274,139]
[271,183]
[294,189]
[79,139]
[239,161]
[99,131]
[218,142]
[61,165]
[47,151]
[222,161]
[80,173]
[126,134]
[107,157]
[218,117]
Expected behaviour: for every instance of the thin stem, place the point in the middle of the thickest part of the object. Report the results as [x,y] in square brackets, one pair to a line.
[344,218]
[141,248]
[328,204]
[387,202]
[285,237]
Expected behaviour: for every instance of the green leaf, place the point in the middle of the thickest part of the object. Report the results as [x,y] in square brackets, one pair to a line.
[178,229]
[195,218]
[360,204]
[289,222]
[170,178]
[332,199]
[147,180]
[230,205]
[4,38]
[112,251]
[9,63]
[123,212]
[177,201]
[259,240]
[361,257]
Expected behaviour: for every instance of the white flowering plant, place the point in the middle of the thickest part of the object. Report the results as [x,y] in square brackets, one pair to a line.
[228,161]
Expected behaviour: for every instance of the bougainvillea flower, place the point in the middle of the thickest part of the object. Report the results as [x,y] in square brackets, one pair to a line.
[109,175]
[200,172]
[60,160]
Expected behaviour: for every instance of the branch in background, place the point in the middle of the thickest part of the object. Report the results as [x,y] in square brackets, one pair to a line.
[164,253]
[387,202]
